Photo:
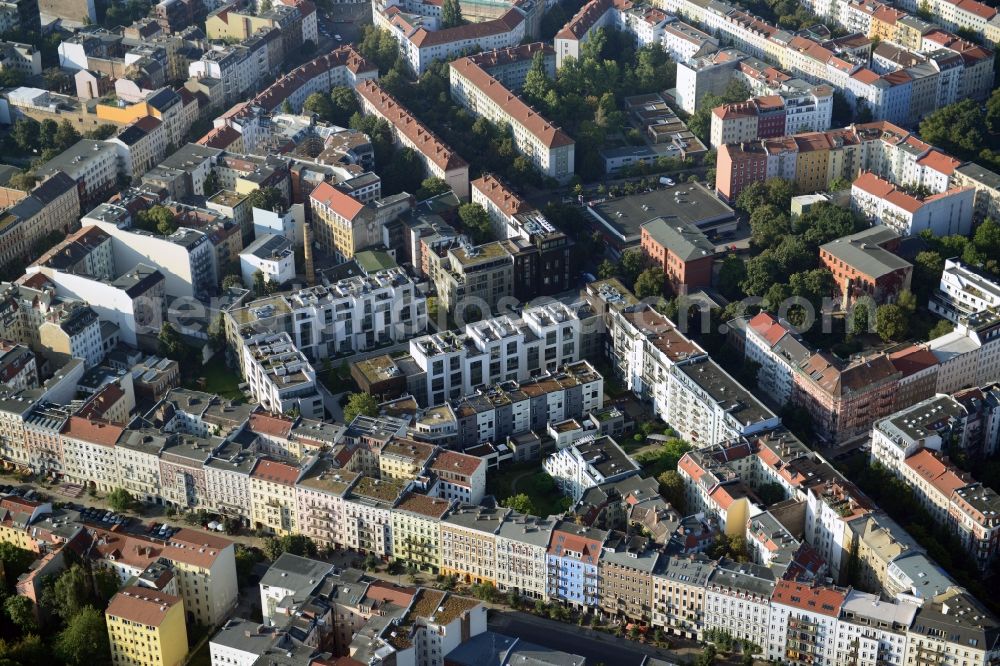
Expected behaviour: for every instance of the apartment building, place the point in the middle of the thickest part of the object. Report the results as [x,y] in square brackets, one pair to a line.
[865,265]
[52,206]
[963,291]
[573,559]
[625,570]
[319,499]
[777,350]
[987,186]
[422,40]
[439,159]
[942,214]
[769,116]
[460,477]
[368,514]
[803,623]
[146,627]
[92,164]
[140,146]
[469,543]
[270,255]
[737,601]
[548,148]
[521,550]
[354,314]
[279,376]
[958,614]
[416,531]
[844,400]
[342,66]
[454,364]
[540,252]
[588,463]
[678,597]
[343,225]
[272,496]
[683,252]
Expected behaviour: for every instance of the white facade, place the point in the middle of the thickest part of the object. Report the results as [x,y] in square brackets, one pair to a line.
[963,291]
[498,349]
[279,376]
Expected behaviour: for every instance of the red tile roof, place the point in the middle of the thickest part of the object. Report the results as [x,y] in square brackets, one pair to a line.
[142,605]
[428,143]
[344,205]
[456,463]
[942,476]
[275,472]
[503,197]
[515,108]
[270,424]
[821,600]
[92,430]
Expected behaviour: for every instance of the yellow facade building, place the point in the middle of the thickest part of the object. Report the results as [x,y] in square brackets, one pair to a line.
[416,530]
[146,628]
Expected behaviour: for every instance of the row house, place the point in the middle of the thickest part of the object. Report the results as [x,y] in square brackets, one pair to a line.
[522,554]
[368,514]
[573,561]
[469,543]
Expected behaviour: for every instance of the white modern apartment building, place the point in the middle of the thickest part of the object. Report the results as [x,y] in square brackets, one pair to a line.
[707,406]
[354,314]
[931,424]
[270,255]
[963,291]
[494,350]
[588,463]
[548,148]
[279,376]
[942,214]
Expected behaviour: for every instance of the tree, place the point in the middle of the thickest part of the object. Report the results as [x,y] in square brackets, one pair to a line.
[26,134]
[768,225]
[650,283]
[232,280]
[451,14]
[286,106]
[14,561]
[761,273]
[360,404]
[344,104]
[606,269]
[267,198]
[942,327]
[907,301]
[520,503]
[157,219]
[379,47]
[170,343]
[632,263]
[477,222]
[771,493]
[431,187]
[70,593]
[859,319]
[537,83]
[294,544]
[120,500]
[21,612]
[211,185]
[672,488]
[732,272]
[84,641]
[259,285]
[101,132]
[11,78]
[321,105]
[890,322]
[106,585]
[23,180]
[66,136]
[957,128]
[246,558]
[927,268]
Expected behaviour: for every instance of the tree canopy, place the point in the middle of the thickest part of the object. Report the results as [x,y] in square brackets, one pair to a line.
[360,404]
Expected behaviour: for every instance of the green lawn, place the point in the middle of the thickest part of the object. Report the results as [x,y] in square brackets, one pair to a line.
[537,485]
[219,379]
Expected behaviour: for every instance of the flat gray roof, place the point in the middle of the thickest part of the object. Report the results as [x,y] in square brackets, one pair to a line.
[690,203]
